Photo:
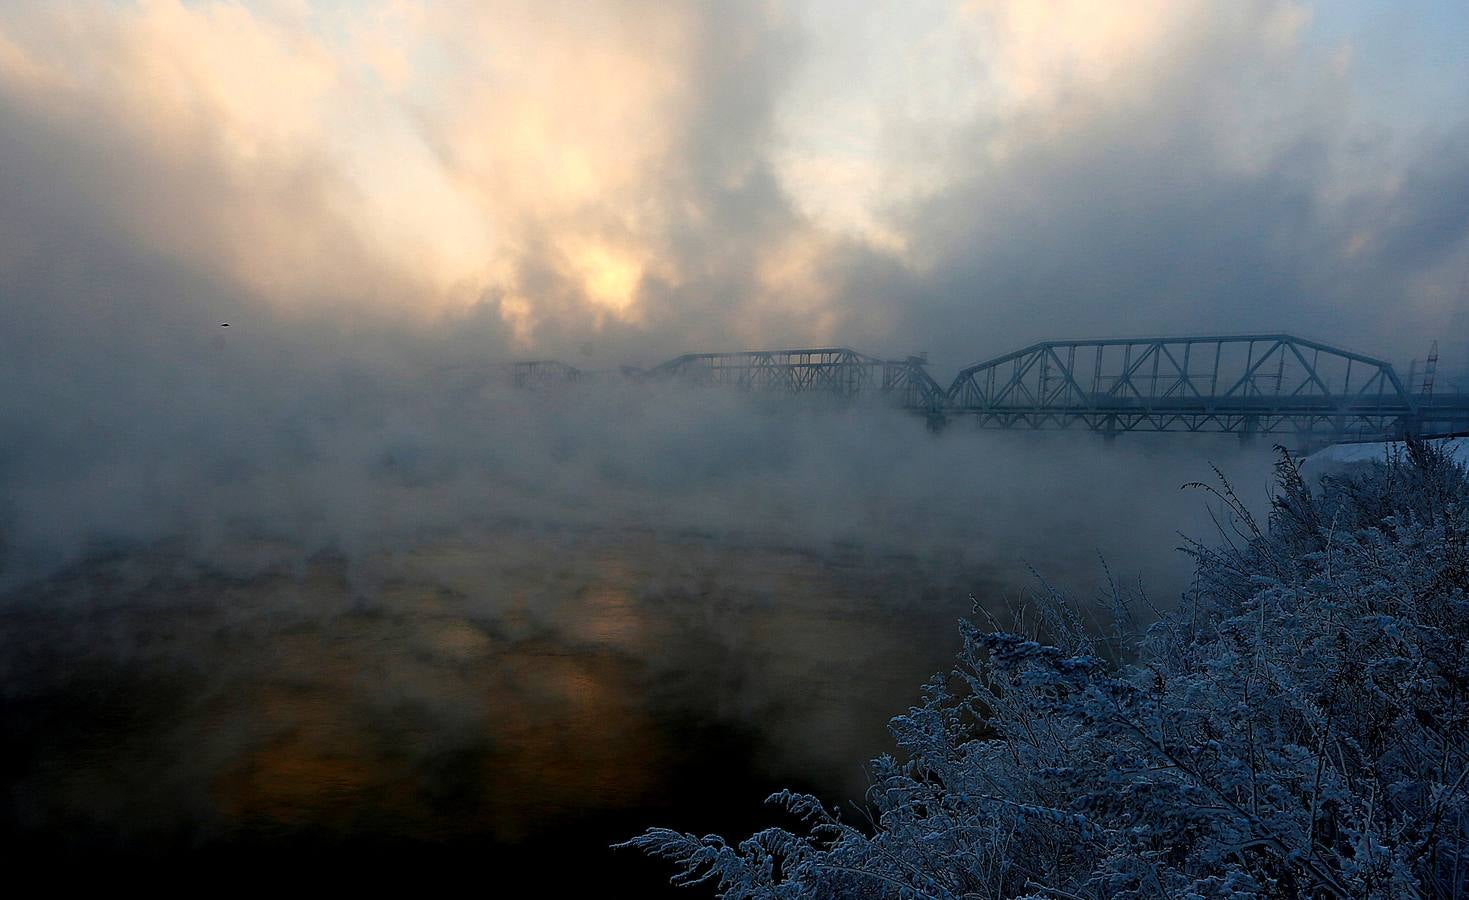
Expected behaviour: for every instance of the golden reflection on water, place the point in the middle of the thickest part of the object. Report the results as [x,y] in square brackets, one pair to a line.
[552,704]
[495,684]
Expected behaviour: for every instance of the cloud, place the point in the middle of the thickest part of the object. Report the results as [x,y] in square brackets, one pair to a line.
[646,178]
[1073,169]
[368,195]
[599,175]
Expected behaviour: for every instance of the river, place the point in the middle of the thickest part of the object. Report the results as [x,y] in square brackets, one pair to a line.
[522,696]
[435,664]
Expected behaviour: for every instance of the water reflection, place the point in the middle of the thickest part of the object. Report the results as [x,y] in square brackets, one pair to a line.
[488,690]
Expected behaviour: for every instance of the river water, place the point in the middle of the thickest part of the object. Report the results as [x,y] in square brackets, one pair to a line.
[523,696]
[488,646]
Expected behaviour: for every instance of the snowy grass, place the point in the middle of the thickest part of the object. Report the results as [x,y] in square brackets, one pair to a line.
[1296,728]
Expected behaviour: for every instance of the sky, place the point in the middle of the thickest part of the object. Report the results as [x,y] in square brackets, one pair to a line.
[620,182]
[374,194]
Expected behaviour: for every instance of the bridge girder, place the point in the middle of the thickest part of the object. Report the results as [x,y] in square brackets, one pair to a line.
[1247,384]
[541,373]
[838,371]
[1243,384]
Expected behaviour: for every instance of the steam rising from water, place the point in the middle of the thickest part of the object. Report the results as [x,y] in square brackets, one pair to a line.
[366,468]
[414,611]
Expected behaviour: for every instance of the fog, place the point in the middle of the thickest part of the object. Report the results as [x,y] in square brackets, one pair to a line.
[236,435]
[277,586]
[281,553]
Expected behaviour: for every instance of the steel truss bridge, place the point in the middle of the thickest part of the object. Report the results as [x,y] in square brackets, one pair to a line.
[1254,384]
[836,371]
[1267,384]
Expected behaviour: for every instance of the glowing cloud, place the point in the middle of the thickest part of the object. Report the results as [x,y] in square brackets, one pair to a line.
[644,173]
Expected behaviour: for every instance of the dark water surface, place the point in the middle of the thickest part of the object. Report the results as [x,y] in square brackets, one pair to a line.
[497,704]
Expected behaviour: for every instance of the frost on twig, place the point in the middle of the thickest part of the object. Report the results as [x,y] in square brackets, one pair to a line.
[1298,727]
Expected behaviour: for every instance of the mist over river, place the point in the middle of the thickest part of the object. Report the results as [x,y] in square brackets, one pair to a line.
[464,645]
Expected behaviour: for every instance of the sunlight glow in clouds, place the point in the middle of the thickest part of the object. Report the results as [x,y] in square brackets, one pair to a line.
[680,174]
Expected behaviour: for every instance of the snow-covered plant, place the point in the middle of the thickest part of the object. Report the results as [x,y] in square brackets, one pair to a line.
[1296,728]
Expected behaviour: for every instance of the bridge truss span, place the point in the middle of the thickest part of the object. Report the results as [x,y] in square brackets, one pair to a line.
[1306,391]
[836,371]
[1245,384]
[542,373]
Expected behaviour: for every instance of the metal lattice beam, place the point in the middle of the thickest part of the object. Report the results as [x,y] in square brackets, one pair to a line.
[838,371]
[1246,384]
[541,373]
[1239,384]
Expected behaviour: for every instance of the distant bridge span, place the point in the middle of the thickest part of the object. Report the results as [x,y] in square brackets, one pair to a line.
[1239,384]
[1246,384]
[840,371]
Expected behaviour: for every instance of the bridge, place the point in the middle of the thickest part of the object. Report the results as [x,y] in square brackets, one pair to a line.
[1246,384]
[838,371]
[1253,384]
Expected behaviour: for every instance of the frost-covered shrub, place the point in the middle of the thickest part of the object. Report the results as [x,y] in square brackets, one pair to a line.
[1297,728]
